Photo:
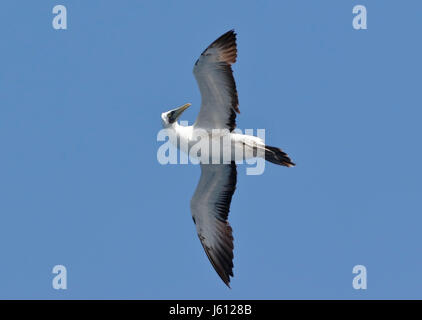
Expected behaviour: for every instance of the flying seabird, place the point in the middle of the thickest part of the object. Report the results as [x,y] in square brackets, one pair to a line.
[210,203]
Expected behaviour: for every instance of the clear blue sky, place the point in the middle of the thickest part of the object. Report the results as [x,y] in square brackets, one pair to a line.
[80,184]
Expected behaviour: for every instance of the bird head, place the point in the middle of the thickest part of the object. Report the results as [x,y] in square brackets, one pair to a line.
[170,117]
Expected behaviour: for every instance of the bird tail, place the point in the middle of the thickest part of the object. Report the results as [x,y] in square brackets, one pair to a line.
[277,156]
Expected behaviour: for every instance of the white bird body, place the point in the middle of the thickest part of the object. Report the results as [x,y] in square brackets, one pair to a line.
[238,147]
[213,142]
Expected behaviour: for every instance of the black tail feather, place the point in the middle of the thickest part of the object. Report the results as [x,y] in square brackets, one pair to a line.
[277,156]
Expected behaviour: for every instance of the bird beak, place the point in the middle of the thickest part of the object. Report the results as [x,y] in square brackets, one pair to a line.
[178,112]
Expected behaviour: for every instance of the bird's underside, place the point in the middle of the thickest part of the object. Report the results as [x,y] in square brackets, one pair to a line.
[210,204]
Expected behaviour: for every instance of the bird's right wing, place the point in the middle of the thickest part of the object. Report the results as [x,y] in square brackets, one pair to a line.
[210,207]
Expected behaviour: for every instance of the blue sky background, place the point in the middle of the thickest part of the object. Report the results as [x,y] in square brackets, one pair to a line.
[80,184]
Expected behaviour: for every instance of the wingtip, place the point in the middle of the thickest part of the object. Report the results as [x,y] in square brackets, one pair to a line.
[226,43]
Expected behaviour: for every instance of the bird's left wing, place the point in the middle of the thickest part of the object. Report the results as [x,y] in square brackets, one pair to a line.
[210,207]
[214,75]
